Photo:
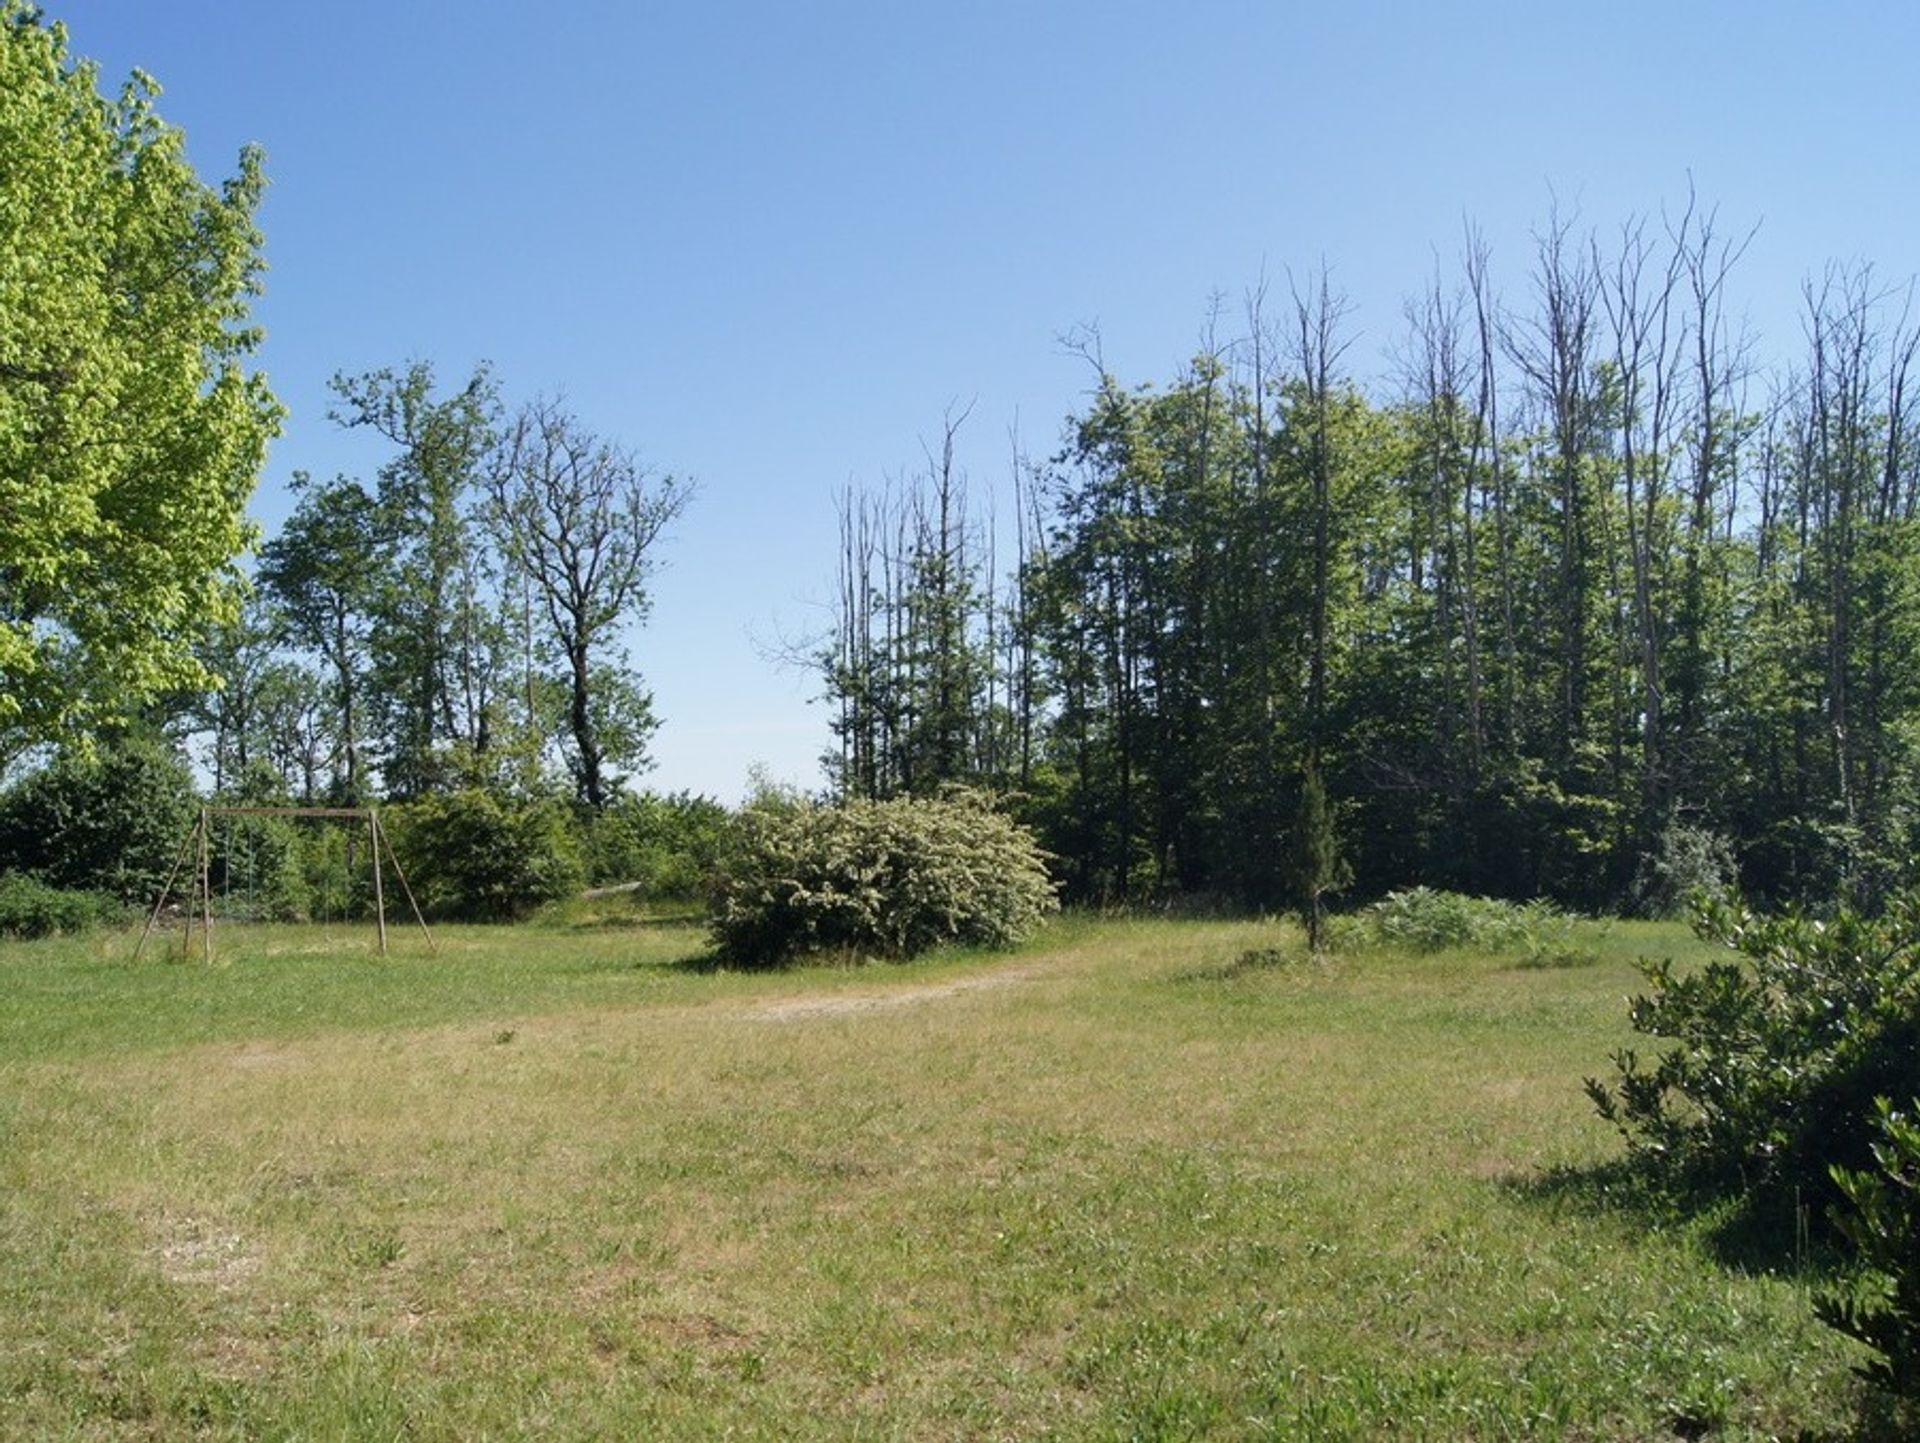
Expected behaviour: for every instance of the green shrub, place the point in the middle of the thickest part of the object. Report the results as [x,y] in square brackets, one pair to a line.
[472,855]
[1555,946]
[1779,1053]
[335,873]
[884,879]
[1315,866]
[112,822]
[669,845]
[1881,1219]
[31,908]
[1687,862]
[1421,919]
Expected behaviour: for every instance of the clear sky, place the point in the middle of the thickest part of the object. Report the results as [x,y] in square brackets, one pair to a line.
[768,245]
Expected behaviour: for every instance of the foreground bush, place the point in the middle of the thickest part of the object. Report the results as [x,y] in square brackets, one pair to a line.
[1779,1052]
[108,822]
[31,908]
[475,856]
[1882,1221]
[1776,1087]
[882,879]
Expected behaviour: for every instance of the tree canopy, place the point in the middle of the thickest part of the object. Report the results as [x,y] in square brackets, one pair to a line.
[131,430]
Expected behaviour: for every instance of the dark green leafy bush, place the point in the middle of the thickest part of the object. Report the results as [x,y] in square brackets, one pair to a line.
[335,871]
[111,822]
[259,867]
[472,855]
[668,845]
[883,879]
[1881,1219]
[31,908]
[1779,1052]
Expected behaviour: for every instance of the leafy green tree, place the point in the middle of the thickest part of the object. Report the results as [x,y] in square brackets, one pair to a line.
[1564,587]
[241,653]
[292,722]
[1105,605]
[436,641]
[319,571]
[131,432]
[668,846]
[473,855]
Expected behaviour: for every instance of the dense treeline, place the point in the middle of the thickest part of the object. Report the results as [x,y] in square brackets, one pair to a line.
[1573,590]
[1575,579]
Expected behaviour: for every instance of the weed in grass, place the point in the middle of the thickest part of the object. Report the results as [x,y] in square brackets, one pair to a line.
[374,1249]
[1257,959]
[1289,958]
[1556,952]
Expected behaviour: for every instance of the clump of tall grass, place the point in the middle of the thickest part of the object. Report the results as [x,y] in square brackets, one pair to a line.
[1423,919]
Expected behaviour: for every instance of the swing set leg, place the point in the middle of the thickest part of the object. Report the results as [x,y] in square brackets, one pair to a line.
[166,891]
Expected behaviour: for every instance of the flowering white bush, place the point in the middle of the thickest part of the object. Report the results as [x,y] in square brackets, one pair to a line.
[882,879]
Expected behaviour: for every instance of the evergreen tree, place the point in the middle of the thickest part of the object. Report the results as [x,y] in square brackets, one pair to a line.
[1315,865]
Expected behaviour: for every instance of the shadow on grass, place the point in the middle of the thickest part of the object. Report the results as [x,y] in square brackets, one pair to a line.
[708,962]
[640,922]
[1259,961]
[836,960]
[1613,1186]
[1780,1231]
[1752,1231]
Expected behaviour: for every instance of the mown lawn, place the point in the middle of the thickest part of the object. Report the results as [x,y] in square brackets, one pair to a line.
[563,1182]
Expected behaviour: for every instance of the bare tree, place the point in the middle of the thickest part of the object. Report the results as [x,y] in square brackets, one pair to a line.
[1556,350]
[1320,314]
[1637,289]
[1720,363]
[578,517]
[1438,381]
[1488,463]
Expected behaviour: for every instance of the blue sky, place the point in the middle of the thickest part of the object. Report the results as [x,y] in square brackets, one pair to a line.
[768,245]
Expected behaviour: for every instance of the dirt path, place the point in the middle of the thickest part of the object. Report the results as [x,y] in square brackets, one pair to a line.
[798,1009]
[251,1055]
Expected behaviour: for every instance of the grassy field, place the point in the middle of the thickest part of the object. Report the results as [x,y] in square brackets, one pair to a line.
[565,1182]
